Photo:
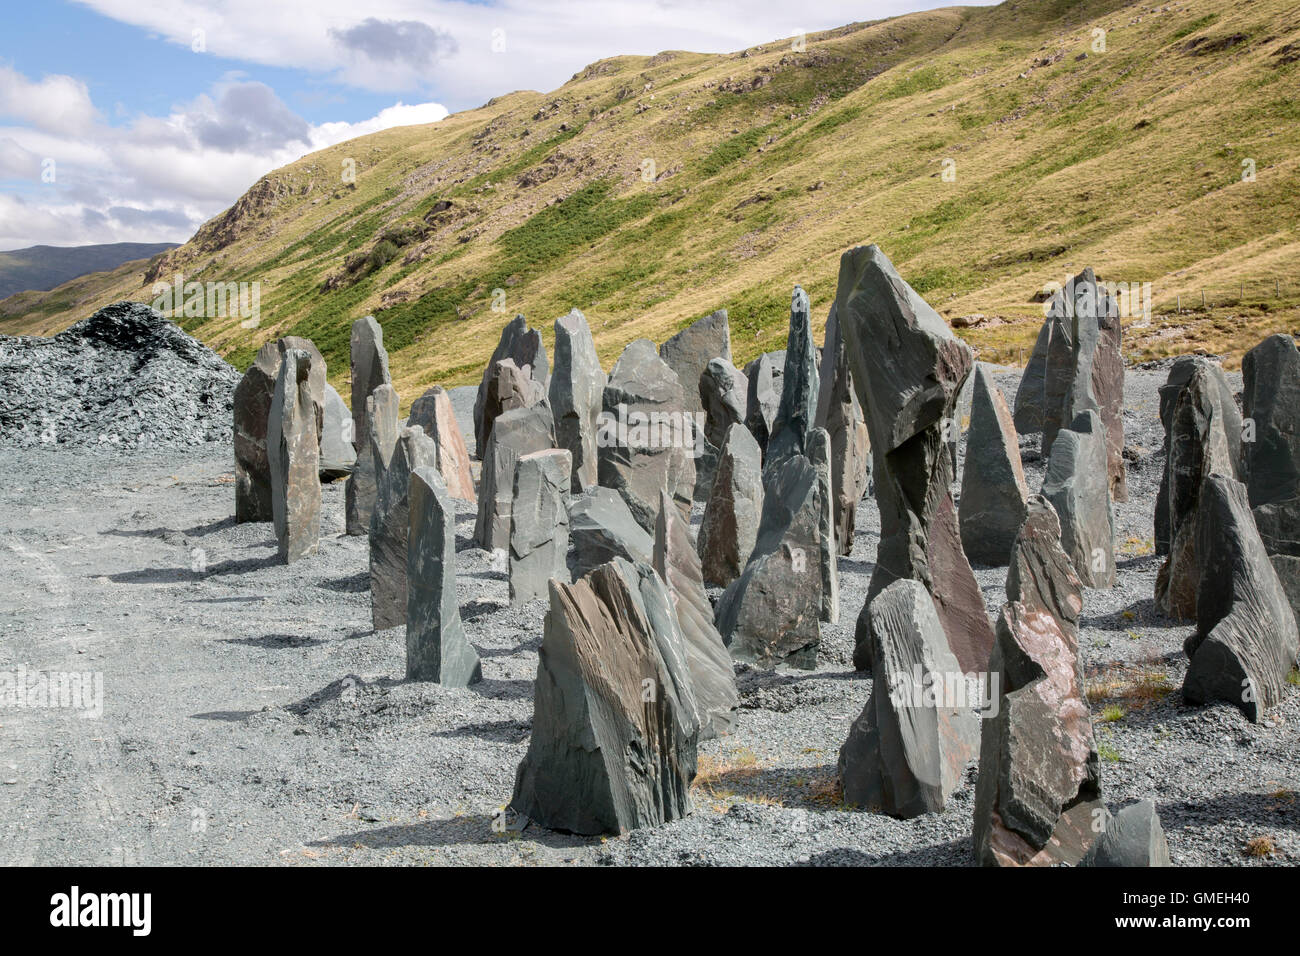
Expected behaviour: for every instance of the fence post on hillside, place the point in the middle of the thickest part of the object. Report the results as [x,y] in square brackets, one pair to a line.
[1277,288]
[1202,299]
[1180,303]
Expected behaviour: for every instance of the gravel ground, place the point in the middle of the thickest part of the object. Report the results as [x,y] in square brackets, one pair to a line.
[251,716]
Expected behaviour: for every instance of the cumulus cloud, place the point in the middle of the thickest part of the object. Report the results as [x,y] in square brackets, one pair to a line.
[57,104]
[406,41]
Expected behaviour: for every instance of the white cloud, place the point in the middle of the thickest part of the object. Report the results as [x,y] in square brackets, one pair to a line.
[58,104]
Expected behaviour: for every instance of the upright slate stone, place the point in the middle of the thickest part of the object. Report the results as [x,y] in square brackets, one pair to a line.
[840,413]
[909,749]
[1076,484]
[337,456]
[647,438]
[521,432]
[369,372]
[1030,393]
[764,375]
[1197,448]
[713,681]
[433,412]
[909,369]
[799,386]
[602,528]
[1131,838]
[993,490]
[436,647]
[1038,793]
[522,346]
[293,455]
[1180,373]
[613,745]
[1245,642]
[690,350]
[724,394]
[734,509]
[390,523]
[1271,462]
[769,615]
[385,428]
[819,455]
[576,389]
[1041,576]
[539,523]
[1085,369]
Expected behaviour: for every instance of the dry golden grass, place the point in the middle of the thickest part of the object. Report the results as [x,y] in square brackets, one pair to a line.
[1128,687]
[1261,847]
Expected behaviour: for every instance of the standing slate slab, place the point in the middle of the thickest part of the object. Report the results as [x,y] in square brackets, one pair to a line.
[724,393]
[799,386]
[515,433]
[390,522]
[436,647]
[840,413]
[433,412]
[521,345]
[602,528]
[369,372]
[689,351]
[908,752]
[1132,837]
[539,523]
[764,375]
[819,455]
[1033,382]
[575,394]
[993,490]
[770,614]
[1077,486]
[909,369]
[1245,642]
[647,435]
[293,456]
[1041,575]
[734,509]
[613,745]
[713,681]
[337,456]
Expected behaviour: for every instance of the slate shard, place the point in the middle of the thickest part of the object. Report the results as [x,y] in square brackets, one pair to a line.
[819,455]
[764,376]
[647,438]
[840,413]
[1076,484]
[909,369]
[576,389]
[1271,462]
[770,614]
[602,528]
[689,351]
[433,412]
[615,731]
[1245,642]
[1197,447]
[1033,383]
[713,679]
[522,346]
[735,506]
[539,523]
[908,751]
[1085,369]
[993,490]
[1041,576]
[724,394]
[799,386]
[337,456]
[1131,838]
[293,456]
[1180,373]
[369,372]
[390,523]
[436,646]
[514,434]
[1039,788]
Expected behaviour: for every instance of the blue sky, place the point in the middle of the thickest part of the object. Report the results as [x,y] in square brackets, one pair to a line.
[137,120]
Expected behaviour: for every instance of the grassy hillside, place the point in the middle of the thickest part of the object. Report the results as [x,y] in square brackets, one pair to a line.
[44,267]
[648,191]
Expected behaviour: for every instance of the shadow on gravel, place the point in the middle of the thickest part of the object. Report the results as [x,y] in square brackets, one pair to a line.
[1278,808]
[501,731]
[275,642]
[468,830]
[503,689]
[954,853]
[175,575]
[350,584]
[1138,613]
[475,609]
[233,716]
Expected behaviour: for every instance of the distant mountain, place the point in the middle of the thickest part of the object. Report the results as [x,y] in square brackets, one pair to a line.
[40,268]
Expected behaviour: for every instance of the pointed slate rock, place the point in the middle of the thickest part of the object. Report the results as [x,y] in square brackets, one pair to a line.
[390,523]
[293,455]
[819,455]
[436,647]
[521,345]
[369,372]
[602,528]
[1076,484]
[724,393]
[522,432]
[1132,837]
[1033,381]
[337,456]
[1042,576]
[764,375]
[993,490]
[690,350]
[799,387]
[840,413]
[575,393]
[433,412]
[539,523]
[734,509]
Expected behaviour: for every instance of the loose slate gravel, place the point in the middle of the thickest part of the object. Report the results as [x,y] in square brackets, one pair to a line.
[125,376]
[251,716]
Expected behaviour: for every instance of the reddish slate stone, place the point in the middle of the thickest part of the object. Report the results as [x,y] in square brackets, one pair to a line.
[433,412]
